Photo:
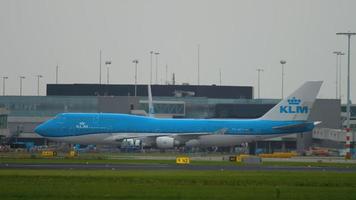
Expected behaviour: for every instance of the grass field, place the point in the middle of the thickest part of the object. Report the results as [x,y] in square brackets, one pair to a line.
[107,184]
[147,158]
[157,161]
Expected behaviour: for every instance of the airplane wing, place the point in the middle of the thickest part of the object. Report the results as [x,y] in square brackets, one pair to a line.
[181,137]
[190,136]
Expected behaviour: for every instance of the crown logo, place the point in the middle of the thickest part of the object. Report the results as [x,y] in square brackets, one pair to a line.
[294,101]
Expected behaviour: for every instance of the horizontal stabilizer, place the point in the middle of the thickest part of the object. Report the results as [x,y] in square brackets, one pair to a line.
[317,123]
[293,126]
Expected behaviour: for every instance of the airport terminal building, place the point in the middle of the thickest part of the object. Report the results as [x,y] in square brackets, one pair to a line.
[177,101]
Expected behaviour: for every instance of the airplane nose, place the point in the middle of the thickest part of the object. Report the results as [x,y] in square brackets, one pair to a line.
[41,130]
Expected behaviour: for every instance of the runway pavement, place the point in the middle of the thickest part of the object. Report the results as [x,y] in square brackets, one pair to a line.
[61,166]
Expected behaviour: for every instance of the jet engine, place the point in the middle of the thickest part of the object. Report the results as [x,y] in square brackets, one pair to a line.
[192,143]
[165,142]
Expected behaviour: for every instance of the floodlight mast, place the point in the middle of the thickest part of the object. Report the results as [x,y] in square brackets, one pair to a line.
[283,62]
[135,62]
[3,85]
[348,101]
[21,77]
[38,84]
[337,80]
[258,81]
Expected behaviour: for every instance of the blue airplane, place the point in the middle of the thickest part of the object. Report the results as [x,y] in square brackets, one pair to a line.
[287,117]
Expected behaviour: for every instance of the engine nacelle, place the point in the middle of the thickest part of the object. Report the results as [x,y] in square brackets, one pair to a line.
[166,142]
[192,143]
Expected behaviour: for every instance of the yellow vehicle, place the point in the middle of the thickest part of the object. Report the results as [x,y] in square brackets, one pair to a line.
[183,160]
[48,154]
[241,157]
[278,155]
[72,154]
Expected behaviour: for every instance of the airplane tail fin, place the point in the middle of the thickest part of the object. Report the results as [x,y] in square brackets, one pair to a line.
[297,106]
[151,111]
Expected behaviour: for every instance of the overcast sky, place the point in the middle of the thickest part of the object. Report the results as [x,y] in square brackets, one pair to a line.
[236,36]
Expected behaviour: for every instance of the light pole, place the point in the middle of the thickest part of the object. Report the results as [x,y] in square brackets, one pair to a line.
[348,105]
[283,62]
[151,55]
[57,74]
[337,53]
[136,62]
[220,76]
[341,54]
[100,67]
[3,84]
[38,84]
[338,73]
[157,53]
[107,63]
[198,64]
[166,74]
[57,69]
[21,77]
[259,86]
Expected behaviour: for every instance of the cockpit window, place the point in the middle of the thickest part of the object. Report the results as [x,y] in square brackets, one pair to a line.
[59,116]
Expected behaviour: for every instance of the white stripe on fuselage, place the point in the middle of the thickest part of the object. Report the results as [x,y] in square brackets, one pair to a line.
[203,140]
[100,138]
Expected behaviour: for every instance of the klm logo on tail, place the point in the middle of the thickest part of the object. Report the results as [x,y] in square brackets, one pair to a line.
[294,107]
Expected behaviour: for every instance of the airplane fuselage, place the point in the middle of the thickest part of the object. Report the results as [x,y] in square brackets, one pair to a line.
[106,128]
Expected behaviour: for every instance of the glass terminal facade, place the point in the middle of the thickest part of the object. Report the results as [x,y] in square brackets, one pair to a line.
[41,106]
[3,121]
